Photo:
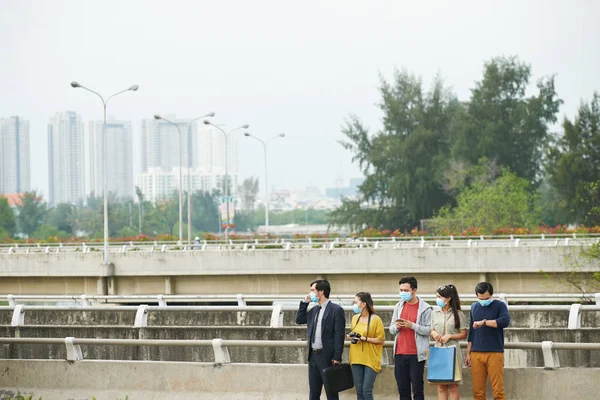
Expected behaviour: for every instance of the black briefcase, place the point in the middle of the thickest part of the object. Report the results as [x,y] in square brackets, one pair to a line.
[338,378]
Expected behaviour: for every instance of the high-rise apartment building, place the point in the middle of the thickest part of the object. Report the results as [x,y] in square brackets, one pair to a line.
[65,158]
[14,155]
[160,143]
[119,139]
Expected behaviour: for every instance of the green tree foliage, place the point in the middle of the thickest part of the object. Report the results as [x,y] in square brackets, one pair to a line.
[432,147]
[8,223]
[551,212]
[248,192]
[575,162]
[31,212]
[62,217]
[205,211]
[506,202]
[46,231]
[503,123]
[404,162]
[591,202]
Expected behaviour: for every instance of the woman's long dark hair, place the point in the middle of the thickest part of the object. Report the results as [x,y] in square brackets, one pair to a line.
[365,297]
[449,291]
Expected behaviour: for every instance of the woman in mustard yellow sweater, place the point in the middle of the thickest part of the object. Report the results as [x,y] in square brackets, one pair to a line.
[367,337]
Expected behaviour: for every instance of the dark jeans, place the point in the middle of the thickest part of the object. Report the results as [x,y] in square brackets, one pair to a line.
[409,370]
[364,380]
[316,364]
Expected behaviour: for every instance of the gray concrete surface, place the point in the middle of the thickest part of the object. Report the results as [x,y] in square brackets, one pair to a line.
[109,380]
[266,271]
[514,358]
[519,319]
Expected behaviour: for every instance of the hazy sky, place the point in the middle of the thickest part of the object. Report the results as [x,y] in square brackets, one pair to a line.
[280,66]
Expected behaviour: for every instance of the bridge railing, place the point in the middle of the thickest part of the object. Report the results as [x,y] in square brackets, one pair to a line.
[243,299]
[277,311]
[221,352]
[542,240]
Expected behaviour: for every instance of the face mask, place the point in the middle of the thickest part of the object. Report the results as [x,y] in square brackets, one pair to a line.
[485,303]
[356,309]
[440,303]
[406,296]
[313,297]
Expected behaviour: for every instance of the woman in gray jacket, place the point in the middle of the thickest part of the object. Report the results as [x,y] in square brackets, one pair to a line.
[411,325]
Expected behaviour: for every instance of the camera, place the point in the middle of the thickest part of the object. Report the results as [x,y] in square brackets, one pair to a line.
[354,337]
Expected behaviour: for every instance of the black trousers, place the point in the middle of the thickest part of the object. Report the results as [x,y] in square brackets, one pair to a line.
[409,370]
[316,364]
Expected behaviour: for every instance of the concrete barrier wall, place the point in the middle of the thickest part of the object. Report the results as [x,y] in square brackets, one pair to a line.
[514,269]
[514,358]
[428,260]
[519,319]
[109,380]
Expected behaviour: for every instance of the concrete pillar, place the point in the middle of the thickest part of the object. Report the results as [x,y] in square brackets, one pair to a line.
[169,285]
[101,288]
[111,285]
[482,278]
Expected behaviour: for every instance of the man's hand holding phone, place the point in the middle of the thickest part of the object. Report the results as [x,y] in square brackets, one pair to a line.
[403,323]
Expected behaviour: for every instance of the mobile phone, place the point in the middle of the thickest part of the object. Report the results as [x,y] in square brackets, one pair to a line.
[399,320]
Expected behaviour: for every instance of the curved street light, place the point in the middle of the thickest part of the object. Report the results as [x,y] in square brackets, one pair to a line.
[281,135]
[132,88]
[226,134]
[189,191]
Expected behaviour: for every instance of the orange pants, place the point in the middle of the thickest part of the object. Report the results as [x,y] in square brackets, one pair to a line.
[482,365]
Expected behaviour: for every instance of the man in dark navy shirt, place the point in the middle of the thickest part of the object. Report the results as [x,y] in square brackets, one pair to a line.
[485,348]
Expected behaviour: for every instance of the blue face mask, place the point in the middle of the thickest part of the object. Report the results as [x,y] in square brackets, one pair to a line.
[406,296]
[440,303]
[313,297]
[485,302]
[356,309]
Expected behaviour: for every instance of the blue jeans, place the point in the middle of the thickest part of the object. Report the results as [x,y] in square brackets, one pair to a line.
[364,380]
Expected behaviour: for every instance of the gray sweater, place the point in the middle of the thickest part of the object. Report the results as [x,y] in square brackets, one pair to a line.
[422,327]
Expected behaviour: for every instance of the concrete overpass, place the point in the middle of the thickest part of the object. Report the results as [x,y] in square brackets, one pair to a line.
[511,265]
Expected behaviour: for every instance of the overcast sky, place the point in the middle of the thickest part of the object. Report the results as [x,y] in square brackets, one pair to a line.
[281,66]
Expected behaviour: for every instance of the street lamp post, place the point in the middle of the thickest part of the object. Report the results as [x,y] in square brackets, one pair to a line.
[189,168]
[281,135]
[132,88]
[226,135]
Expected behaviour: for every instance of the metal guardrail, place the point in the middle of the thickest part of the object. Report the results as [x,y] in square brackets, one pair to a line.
[311,244]
[276,321]
[243,299]
[221,352]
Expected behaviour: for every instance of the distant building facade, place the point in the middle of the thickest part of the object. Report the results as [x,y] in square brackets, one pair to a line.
[66,158]
[119,138]
[158,185]
[15,175]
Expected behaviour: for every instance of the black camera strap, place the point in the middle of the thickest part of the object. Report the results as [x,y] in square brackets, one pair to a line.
[367,332]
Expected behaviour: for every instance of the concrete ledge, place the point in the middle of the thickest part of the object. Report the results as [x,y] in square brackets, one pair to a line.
[339,261]
[109,380]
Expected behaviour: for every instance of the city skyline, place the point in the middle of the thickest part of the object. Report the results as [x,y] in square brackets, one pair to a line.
[304,82]
[73,175]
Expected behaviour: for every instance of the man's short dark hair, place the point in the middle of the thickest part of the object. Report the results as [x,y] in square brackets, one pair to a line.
[410,280]
[322,284]
[483,287]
